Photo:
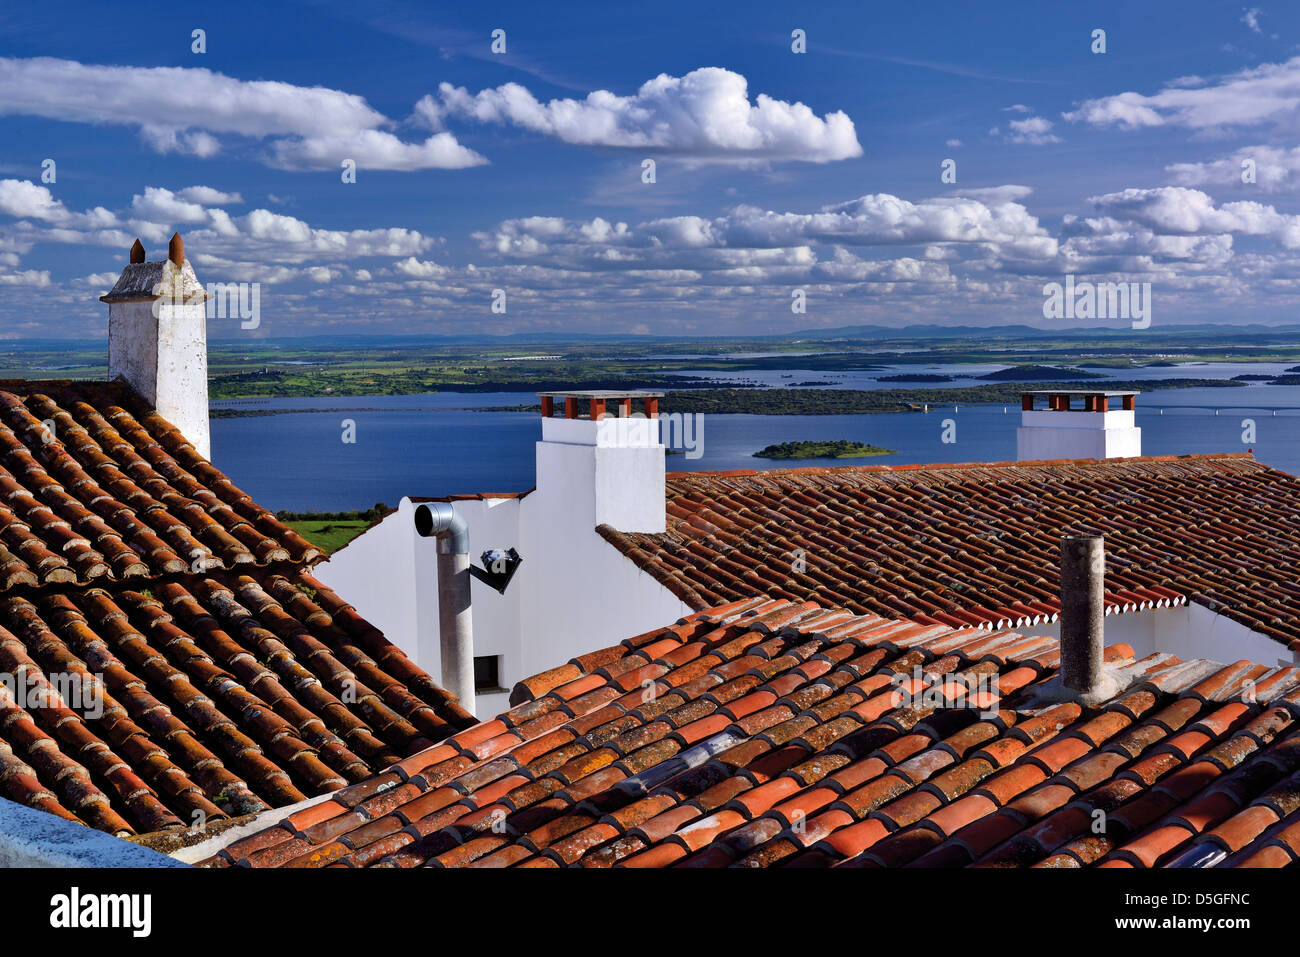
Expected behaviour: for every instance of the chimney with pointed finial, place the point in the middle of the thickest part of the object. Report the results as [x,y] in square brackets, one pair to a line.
[157,339]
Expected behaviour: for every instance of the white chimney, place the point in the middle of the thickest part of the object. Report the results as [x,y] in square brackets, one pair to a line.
[157,339]
[606,467]
[1077,425]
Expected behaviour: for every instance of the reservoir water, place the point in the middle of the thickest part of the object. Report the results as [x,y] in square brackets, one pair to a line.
[436,445]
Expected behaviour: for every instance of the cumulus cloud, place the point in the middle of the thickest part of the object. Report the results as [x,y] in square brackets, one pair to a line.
[165,139]
[1033,130]
[209,196]
[374,149]
[259,246]
[23,199]
[1265,95]
[1176,210]
[883,219]
[419,270]
[286,239]
[163,206]
[706,114]
[182,109]
[1277,169]
[972,252]
[771,244]
[38,278]
[1250,17]
[1103,244]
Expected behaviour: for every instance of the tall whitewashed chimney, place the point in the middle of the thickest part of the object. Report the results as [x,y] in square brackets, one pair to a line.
[157,339]
[1070,429]
[607,466]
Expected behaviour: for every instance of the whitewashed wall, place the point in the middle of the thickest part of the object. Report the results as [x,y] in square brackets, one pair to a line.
[573,593]
[1188,631]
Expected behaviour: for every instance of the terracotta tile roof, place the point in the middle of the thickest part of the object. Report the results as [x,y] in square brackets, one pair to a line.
[232,680]
[96,487]
[979,543]
[768,733]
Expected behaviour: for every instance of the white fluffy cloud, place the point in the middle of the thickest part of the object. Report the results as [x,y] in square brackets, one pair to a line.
[965,253]
[260,246]
[944,241]
[706,114]
[23,199]
[419,270]
[374,149]
[187,110]
[37,278]
[1277,169]
[1178,211]
[1266,95]
[209,196]
[1033,130]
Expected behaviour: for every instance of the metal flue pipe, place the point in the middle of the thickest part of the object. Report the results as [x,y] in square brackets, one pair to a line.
[438,520]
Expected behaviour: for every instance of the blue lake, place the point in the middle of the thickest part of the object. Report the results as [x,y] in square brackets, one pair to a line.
[435,444]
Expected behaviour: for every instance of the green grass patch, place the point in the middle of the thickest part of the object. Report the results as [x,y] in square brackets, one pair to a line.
[329,535]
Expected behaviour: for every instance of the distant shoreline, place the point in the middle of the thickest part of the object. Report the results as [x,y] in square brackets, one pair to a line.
[791,400]
[257,413]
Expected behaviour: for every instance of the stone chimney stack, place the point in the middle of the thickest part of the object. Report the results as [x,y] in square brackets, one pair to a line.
[157,339]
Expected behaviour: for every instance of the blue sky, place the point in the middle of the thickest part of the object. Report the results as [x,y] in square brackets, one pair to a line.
[775,171]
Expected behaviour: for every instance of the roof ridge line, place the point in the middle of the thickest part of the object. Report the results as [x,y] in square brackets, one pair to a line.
[940,466]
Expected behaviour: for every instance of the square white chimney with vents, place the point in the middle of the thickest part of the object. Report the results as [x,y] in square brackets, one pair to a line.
[607,467]
[1085,424]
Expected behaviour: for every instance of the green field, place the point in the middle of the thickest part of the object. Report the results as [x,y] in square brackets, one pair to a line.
[329,535]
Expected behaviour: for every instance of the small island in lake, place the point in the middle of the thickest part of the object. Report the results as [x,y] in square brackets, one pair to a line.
[834,449]
[1026,372]
[915,377]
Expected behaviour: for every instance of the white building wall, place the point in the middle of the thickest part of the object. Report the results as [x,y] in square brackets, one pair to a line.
[376,573]
[1188,631]
[588,595]
[573,593]
[1196,631]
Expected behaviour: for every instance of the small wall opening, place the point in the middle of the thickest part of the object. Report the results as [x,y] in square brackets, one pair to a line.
[487,674]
